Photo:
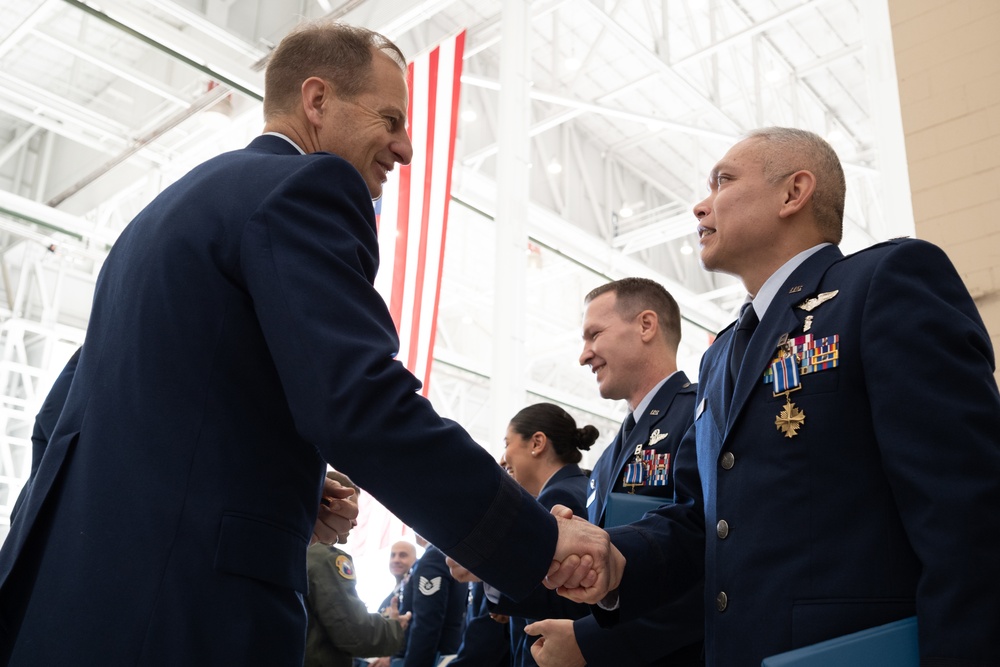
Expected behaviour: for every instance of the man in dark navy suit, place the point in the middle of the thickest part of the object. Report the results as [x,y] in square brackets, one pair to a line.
[236,345]
[437,603]
[844,472]
[402,557]
[631,331]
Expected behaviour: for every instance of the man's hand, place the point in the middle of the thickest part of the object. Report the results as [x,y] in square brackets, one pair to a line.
[338,513]
[380,662]
[586,566]
[459,573]
[556,645]
[392,613]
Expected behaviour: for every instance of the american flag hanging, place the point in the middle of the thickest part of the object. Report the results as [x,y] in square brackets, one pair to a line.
[413,211]
[412,220]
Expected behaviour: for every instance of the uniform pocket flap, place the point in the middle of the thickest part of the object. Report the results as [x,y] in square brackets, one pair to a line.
[259,549]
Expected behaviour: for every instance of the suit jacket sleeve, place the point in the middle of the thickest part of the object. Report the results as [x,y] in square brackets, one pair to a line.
[665,551]
[936,413]
[485,642]
[567,487]
[45,422]
[333,601]
[432,583]
[309,257]
[641,641]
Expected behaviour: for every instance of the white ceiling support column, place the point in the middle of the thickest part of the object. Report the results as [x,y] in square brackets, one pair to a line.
[883,88]
[507,385]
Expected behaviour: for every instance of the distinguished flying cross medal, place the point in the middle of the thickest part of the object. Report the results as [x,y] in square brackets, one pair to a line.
[785,370]
[797,357]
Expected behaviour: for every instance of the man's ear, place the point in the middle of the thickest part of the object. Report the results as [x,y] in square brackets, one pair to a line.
[799,189]
[315,94]
[649,325]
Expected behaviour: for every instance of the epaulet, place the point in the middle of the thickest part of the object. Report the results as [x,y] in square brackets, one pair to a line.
[883,244]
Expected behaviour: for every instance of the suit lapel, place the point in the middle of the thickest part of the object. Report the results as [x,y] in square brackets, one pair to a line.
[644,425]
[602,479]
[714,372]
[781,318]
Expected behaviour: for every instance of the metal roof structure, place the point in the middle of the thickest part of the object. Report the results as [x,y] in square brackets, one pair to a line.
[102,104]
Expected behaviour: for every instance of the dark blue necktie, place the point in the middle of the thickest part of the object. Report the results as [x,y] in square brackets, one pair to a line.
[744,330]
[627,428]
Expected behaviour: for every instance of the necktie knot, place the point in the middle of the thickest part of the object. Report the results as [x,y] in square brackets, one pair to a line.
[748,318]
[741,337]
[629,425]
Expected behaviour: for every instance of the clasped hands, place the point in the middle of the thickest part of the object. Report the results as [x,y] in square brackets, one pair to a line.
[338,513]
[585,566]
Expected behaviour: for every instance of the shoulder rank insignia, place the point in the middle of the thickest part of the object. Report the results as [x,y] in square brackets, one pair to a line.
[429,586]
[813,302]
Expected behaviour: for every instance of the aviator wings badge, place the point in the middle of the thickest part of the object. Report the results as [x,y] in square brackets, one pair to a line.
[813,302]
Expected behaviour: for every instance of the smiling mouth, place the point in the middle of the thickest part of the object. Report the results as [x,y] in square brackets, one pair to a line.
[704,232]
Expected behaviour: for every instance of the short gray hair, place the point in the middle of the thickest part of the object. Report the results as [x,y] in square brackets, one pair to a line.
[790,150]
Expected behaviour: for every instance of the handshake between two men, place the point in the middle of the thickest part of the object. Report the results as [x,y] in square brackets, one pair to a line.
[585,566]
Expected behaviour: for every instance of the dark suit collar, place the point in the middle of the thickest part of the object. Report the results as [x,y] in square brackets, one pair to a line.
[568,470]
[657,409]
[780,318]
[270,143]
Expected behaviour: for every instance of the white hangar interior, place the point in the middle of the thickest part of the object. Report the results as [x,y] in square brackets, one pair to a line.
[627,105]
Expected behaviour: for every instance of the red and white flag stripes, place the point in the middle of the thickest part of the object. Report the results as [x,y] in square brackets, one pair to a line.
[413,211]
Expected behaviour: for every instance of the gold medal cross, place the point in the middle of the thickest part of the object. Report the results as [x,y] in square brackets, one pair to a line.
[791,419]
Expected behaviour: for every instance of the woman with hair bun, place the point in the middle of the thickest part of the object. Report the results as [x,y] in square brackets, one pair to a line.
[543,446]
[541,440]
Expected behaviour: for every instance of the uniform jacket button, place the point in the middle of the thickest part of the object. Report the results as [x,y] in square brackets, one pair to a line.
[722,528]
[721,601]
[728,460]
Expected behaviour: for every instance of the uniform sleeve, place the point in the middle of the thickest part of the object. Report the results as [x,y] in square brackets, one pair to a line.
[665,551]
[309,257]
[432,584]
[485,642]
[542,602]
[936,414]
[45,422]
[644,640]
[334,601]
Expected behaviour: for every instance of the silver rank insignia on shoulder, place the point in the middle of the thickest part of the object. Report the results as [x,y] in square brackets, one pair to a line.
[815,301]
[656,436]
[429,586]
